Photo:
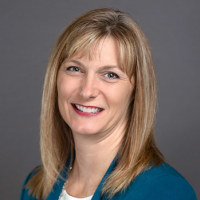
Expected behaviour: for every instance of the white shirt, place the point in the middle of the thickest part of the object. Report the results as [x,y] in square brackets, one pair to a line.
[65,196]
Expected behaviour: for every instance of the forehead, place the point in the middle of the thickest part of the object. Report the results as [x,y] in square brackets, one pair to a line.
[105,50]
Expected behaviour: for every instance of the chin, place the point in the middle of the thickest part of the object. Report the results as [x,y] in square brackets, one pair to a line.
[84,127]
[84,130]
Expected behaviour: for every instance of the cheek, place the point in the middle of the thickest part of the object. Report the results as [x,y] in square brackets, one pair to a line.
[66,91]
[66,88]
[120,96]
[63,89]
[62,96]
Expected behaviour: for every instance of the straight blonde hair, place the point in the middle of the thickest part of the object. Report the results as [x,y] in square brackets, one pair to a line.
[138,150]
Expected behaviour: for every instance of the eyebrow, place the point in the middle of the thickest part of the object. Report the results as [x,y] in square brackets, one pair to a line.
[107,67]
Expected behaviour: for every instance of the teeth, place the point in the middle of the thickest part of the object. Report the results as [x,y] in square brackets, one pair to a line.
[88,109]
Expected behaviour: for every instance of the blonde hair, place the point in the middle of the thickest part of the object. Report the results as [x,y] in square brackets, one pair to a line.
[138,149]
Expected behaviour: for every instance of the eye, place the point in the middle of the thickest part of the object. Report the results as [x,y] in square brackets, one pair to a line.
[73,69]
[111,75]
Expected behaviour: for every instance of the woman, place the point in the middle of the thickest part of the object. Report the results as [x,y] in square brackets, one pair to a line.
[97,117]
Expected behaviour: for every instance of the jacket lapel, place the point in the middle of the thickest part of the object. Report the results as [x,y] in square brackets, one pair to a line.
[97,195]
[57,188]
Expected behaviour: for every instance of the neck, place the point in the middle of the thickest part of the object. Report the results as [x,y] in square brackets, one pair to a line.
[94,154]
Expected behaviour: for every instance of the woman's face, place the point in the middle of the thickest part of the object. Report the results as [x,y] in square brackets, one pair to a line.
[93,93]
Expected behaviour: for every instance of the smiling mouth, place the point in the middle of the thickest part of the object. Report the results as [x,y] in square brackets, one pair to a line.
[87,109]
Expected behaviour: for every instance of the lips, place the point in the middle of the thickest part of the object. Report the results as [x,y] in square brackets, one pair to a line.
[87,109]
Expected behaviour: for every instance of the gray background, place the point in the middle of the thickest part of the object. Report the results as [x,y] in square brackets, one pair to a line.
[28,31]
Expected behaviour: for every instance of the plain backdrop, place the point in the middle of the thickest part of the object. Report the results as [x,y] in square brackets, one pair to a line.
[28,31]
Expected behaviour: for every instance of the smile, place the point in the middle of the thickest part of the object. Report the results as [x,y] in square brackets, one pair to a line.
[87,109]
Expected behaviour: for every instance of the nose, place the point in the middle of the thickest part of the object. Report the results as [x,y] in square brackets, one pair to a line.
[89,89]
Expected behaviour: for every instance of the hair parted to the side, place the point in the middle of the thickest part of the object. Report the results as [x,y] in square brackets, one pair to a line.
[138,149]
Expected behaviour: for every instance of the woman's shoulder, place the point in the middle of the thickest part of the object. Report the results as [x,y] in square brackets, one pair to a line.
[25,192]
[161,182]
[162,170]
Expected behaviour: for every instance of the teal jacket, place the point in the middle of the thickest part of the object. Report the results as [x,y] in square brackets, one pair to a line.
[157,183]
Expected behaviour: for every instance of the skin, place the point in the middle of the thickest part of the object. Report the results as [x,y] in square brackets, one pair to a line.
[95,82]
